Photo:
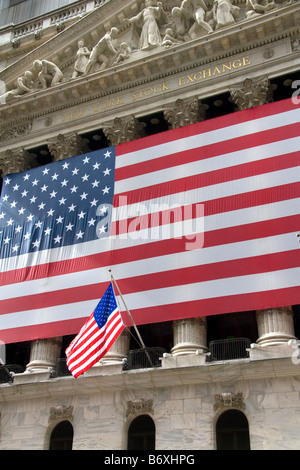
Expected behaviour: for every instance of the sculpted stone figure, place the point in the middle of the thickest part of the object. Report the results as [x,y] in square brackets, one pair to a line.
[145,26]
[180,24]
[168,39]
[82,59]
[200,10]
[224,13]
[48,73]
[25,85]
[190,19]
[256,7]
[124,53]
[104,51]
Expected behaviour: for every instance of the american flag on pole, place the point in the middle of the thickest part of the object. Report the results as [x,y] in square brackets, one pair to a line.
[195,221]
[97,335]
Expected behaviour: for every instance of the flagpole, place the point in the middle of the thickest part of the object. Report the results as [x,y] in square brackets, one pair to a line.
[130,316]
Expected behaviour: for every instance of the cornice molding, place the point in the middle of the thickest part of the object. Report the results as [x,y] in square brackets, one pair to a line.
[155,379]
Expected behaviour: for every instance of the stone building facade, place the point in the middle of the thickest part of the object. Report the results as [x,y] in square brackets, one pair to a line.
[75,79]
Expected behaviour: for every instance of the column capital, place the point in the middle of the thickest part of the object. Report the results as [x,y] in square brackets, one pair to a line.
[124,130]
[252,92]
[16,161]
[185,112]
[67,145]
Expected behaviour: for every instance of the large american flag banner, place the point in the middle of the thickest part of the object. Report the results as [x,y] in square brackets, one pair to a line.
[195,221]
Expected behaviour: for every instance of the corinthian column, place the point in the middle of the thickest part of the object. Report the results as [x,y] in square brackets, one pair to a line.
[113,360]
[118,132]
[275,325]
[44,353]
[119,349]
[189,335]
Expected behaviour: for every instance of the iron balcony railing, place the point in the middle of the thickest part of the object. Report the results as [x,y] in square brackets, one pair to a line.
[137,359]
[219,350]
[7,372]
[5,376]
[144,358]
[227,349]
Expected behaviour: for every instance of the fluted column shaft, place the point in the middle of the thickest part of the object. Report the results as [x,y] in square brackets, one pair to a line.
[44,354]
[118,132]
[189,336]
[119,349]
[275,326]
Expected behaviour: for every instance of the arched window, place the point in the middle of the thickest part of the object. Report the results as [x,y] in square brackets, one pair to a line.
[141,434]
[62,436]
[232,431]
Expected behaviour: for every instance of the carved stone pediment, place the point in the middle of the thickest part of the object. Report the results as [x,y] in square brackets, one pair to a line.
[62,48]
[78,65]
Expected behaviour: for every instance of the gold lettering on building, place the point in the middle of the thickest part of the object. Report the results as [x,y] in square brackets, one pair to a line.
[144,92]
[213,71]
[158,88]
[109,103]
[73,115]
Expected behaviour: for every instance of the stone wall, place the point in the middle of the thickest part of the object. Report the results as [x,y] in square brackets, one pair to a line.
[184,404]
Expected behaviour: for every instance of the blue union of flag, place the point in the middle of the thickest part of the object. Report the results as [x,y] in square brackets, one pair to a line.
[57,205]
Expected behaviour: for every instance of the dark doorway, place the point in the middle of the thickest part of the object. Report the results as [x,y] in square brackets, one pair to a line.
[141,434]
[62,436]
[232,431]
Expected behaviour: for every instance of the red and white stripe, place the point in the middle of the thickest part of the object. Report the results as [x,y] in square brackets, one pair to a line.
[92,343]
[235,179]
